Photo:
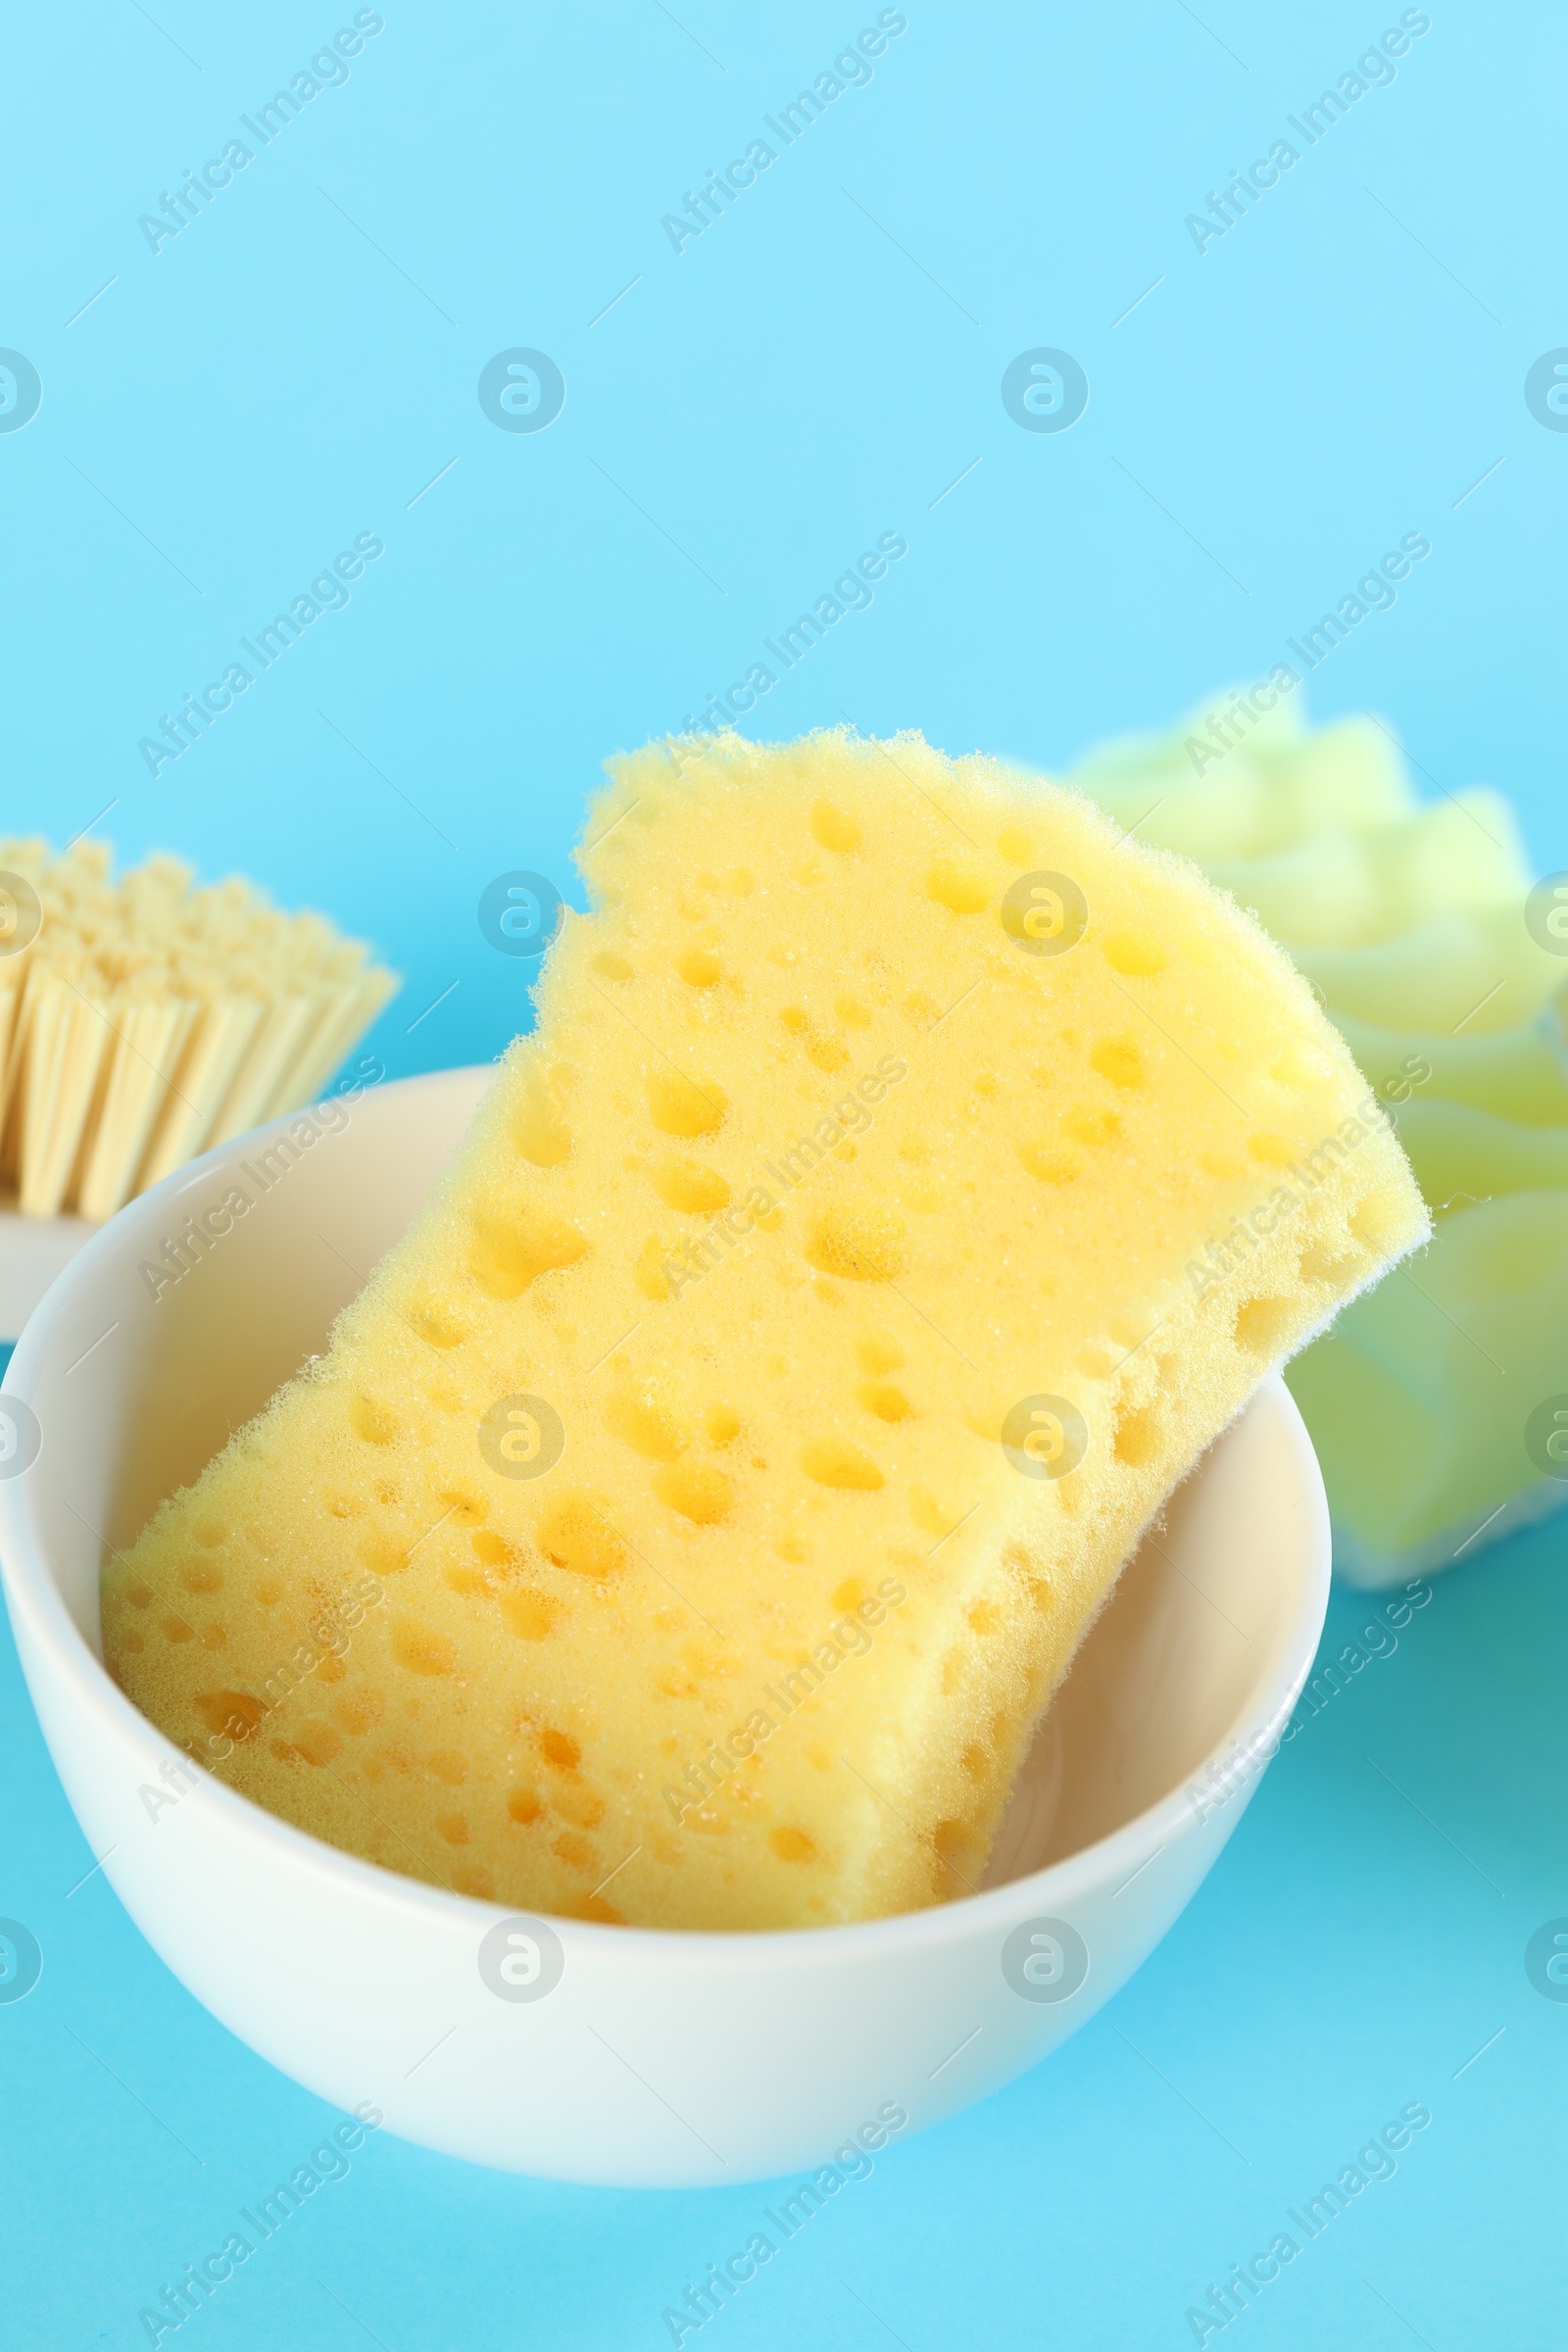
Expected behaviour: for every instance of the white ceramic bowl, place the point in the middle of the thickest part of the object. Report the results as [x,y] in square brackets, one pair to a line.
[657,2059]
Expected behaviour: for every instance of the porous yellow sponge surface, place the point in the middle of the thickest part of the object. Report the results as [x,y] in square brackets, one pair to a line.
[909,1175]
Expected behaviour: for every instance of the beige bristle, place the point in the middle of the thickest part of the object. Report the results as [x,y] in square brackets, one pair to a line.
[344,1019]
[274,1049]
[149,1037]
[150,1020]
[214,1051]
[65,1042]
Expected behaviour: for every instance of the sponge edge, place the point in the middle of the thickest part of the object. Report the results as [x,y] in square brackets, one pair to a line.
[909,1177]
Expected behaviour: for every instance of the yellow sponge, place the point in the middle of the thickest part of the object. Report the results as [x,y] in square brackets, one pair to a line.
[909,1176]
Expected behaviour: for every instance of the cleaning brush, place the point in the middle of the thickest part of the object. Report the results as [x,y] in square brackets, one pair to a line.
[144,1020]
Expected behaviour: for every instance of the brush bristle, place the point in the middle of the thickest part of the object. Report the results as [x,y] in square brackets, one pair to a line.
[148,1020]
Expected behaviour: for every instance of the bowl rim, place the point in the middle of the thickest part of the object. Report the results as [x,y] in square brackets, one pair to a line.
[33,1594]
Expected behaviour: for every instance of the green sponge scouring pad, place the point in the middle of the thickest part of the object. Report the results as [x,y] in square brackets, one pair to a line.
[1434,1403]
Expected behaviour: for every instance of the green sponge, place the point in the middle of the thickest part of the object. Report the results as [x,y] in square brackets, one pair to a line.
[1425,1399]
[1430,1400]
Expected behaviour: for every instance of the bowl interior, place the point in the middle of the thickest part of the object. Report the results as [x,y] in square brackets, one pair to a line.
[1197,1631]
[137,1382]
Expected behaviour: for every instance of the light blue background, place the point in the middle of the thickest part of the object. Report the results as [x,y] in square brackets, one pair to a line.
[817,368]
